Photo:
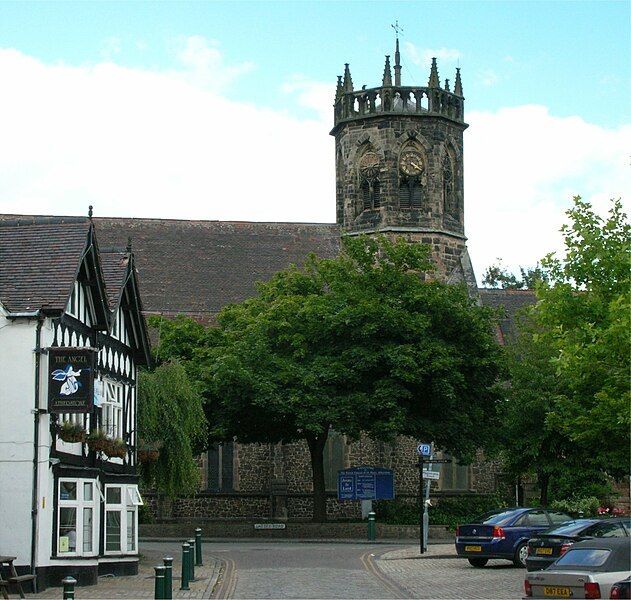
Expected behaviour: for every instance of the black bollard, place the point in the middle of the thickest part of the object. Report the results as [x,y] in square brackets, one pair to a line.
[158,593]
[69,583]
[168,577]
[198,547]
[185,568]
[191,562]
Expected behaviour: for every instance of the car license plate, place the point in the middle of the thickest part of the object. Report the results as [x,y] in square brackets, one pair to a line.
[473,548]
[553,591]
[543,550]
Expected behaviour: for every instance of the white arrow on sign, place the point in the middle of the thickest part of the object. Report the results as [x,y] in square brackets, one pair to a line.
[435,475]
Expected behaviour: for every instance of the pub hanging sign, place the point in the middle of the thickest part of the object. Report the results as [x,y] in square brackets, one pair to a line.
[70,380]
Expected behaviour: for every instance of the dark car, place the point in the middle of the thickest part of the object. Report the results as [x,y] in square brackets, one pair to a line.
[504,534]
[621,589]
[589,569]
[544,549]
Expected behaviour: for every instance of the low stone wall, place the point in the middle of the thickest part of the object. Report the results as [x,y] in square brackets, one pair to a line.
[293,530]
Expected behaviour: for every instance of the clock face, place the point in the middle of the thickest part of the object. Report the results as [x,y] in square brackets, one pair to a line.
[411,163]
[369,164]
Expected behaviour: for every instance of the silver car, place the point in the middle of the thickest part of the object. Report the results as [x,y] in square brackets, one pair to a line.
[587,570]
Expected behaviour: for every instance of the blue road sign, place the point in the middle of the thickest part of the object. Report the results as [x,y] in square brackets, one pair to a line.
[424,449]
[365,483]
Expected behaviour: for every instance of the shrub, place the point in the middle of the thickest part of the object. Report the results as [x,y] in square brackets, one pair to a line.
[449,511]
[586,507]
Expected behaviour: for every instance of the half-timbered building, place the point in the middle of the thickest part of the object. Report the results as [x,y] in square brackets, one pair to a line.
[72,337]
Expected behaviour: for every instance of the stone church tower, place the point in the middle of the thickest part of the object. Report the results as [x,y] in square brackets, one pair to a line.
[399,165]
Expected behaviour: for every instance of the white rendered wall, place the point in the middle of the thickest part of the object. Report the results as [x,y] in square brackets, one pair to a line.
[17,390]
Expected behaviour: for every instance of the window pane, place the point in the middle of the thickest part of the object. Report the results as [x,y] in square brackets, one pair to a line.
[113,530]
[113,495]
[87,492]
[67,490]
[131,530]
[67,529]
[537,518]
[609,530]
[87,529]
[558,517]
[584,557]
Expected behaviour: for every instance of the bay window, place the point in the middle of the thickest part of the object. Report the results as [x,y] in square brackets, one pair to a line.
[77,517]
[121,518]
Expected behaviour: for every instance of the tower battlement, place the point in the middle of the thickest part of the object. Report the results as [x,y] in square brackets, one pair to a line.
[430,100]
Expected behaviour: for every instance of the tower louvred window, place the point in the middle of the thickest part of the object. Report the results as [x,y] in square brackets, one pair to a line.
[416,195]
[366,194]
[404,195]
[376,193]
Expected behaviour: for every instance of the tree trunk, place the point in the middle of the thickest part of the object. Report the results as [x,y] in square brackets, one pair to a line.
[316,449]
[544,480]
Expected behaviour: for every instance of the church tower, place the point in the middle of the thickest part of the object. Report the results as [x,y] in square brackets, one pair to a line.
[399,164]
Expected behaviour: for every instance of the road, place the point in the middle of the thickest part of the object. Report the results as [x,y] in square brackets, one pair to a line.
[287,570]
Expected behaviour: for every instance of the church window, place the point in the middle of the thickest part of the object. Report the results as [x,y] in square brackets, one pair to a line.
[221,467]
[370,186]
[453,476]
[450,205]
[412,178]
[334,459]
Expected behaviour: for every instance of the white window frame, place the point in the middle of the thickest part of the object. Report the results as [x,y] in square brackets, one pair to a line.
[79,504]
[130,500]
[112,408]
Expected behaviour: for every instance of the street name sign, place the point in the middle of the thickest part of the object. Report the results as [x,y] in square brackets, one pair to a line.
[433,475]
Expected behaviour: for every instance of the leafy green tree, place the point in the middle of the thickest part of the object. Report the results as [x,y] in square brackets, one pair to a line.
[170,411]
[360,343]
[497,276]
[586,309]
[566,416]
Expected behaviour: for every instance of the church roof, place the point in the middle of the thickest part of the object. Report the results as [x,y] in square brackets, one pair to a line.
[197,267]
[39,259]
[509,303]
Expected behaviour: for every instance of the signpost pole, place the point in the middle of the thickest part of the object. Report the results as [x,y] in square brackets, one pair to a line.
[420,503]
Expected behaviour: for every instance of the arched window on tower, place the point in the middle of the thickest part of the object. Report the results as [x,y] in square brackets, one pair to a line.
[412,178]
[450,204]
[369,184]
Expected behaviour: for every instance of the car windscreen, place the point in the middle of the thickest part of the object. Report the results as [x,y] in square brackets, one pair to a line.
[584,557]
[570,527]
[496,518]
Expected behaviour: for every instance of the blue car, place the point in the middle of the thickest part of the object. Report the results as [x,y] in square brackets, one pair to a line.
[504,534]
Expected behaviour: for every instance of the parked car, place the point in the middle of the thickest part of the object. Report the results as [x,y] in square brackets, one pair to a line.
[544,549]
[621,589]
[588,569]
[504,534]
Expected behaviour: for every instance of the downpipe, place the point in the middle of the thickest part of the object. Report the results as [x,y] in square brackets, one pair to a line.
[36,415]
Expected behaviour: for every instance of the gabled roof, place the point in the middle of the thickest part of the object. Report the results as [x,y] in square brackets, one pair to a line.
[121,279]
[40,259]
[197,267]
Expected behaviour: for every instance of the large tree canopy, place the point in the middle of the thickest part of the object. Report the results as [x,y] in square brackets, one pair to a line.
[360,343]
[567,413]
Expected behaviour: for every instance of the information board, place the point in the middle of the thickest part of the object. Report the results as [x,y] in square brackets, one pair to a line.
[365,483]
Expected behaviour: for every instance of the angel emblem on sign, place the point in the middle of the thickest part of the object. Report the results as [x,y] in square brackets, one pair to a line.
[69,377]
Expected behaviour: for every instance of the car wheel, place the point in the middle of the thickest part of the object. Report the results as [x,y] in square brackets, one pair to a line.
[478,562]
[520,555]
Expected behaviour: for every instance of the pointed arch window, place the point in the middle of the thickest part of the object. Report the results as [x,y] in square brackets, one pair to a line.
[369,184]
[450,204]
[412,178]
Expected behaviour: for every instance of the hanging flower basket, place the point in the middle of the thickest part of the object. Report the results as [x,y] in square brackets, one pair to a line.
[148,452]
[116,449]
[98,441]
[71,432]
[148,456]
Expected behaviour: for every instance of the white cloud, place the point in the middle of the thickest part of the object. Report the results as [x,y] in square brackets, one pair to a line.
[142,143]
[522,168]
[488,77]
[204,64]
[423,56]
[137,143]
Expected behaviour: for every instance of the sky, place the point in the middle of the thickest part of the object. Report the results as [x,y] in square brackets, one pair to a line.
[222,110]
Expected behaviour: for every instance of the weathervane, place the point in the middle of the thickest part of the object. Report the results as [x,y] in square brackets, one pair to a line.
[396,28]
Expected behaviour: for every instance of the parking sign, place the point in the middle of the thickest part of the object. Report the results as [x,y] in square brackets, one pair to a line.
[424,449]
